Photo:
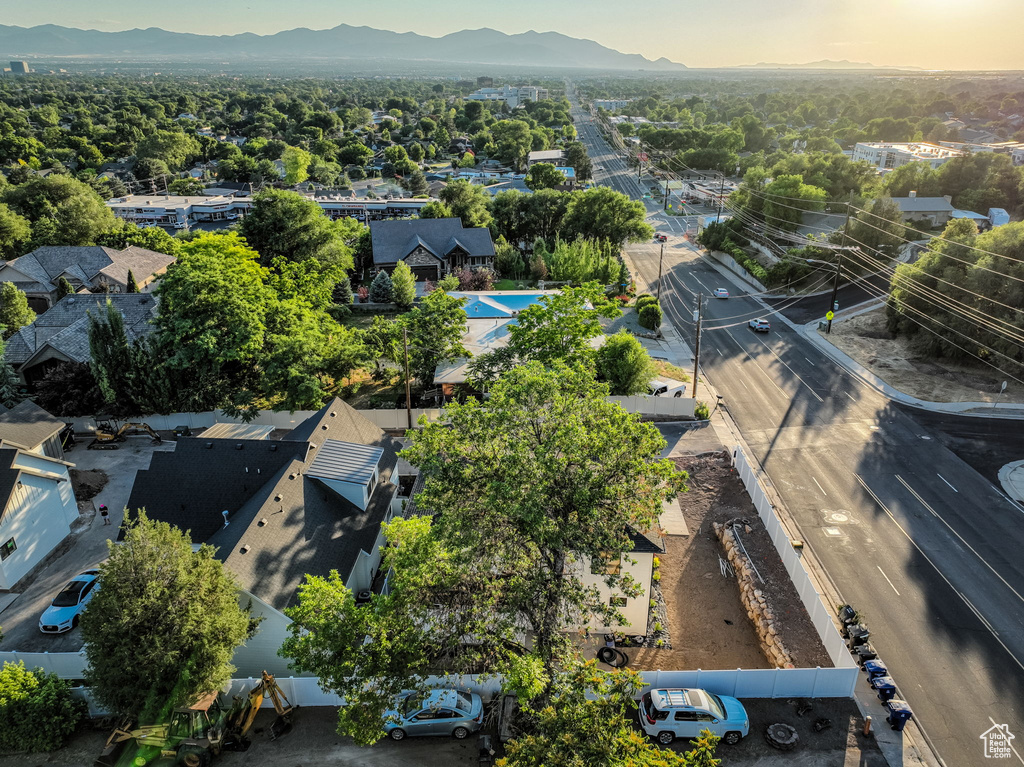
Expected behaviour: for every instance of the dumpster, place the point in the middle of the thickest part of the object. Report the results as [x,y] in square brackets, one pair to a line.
[899,713]
[885,686]
[875,668]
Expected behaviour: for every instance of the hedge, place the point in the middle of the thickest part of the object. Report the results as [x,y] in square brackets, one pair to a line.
[650,316]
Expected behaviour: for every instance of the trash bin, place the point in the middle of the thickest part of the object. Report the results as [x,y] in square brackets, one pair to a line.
[182,431]
[864,652]
[875,668]
[885,686]
[857,634]
[847,615]
[899,713]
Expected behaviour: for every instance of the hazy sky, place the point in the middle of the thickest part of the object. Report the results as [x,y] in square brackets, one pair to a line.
[935,34]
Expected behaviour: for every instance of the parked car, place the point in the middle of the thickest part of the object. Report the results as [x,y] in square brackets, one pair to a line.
[667,387]
[66,609]
[661,237]
[760,325]
[668,714]
[454,713]
[721,293]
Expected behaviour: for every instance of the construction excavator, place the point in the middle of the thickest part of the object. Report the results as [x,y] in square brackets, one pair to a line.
[194,734]
[107,435]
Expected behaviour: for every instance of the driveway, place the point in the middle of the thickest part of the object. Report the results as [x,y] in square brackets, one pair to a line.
[83,550]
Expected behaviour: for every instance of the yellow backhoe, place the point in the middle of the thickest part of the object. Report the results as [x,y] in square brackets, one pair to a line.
[195,734]
[107,435]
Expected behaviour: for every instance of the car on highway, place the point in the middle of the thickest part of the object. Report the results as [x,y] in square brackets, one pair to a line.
[66,609]
[667,714]
[721,293]
[761,325]
[661,237]
[443,712]
[598,167]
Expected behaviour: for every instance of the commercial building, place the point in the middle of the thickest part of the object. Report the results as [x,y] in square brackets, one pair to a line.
[611,105]
[886,156]
[19,68]
[513,95]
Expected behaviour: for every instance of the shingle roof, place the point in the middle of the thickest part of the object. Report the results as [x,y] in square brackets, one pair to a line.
[284,527]
[47,264]
[8,476]
[924,204]
[27,425]
[649,542]
[65,325]
[392,240]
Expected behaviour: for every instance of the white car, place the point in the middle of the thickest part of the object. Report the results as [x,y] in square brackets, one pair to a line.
[667,387]
[721,293]
[63,613]
[682,713]
[761,325]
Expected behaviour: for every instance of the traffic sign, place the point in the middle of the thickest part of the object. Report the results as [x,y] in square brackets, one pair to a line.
[829,316]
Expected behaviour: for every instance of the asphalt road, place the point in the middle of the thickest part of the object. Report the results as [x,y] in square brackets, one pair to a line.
[916,539]
[810,308]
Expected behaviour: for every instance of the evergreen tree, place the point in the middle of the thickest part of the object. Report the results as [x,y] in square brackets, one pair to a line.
[14,311]
[343,292]
[381,289]
[64,288]
[403,286]
[133,286]
[10,386]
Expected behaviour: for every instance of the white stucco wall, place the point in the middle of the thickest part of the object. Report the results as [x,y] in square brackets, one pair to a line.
[260,652]
[639,567]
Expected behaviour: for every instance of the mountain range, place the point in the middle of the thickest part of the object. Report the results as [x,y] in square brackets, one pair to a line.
[823,64]
[344,42]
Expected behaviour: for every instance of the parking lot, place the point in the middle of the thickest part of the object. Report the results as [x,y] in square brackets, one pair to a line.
[84,550]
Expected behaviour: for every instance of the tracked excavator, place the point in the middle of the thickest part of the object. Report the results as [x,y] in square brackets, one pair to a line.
[107,435]
[193,735]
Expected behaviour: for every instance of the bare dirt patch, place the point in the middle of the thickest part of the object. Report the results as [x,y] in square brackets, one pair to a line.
[866,339]
[708,624]
[88,483]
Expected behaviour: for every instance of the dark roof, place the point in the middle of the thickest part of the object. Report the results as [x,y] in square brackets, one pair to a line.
[924,204]
[282,523]
[65,325]
[394,240]
[27,425]
[8,475]
[48,263]
[649,542]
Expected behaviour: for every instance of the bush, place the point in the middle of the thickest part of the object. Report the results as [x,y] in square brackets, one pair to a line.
[381,289]
[37,710]
[650,316]
[642,296]
[403,286]
[643,301]
[701,412]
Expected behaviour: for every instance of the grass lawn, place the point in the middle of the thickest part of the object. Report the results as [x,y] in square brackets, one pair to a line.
[513,284]
[668,370]
[363,320]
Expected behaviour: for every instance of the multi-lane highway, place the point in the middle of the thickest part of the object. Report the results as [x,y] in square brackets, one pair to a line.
[924,546]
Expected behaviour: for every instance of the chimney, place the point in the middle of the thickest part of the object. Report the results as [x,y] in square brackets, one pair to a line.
[912,193]
[225,515]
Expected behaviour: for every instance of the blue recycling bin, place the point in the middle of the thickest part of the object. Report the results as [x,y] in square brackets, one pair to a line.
[875,668]
[885,687]
[899,713]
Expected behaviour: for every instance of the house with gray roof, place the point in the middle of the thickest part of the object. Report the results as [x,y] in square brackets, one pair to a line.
[91,268]
[61,334]
[432,247]
[932,210]
[27,426]
[277,510]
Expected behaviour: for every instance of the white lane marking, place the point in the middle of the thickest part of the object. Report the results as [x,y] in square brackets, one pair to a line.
[887,579]
[913,543]
[719,352]
[947,482]
[850,396]
[1016,505]
[819,487]
[801,380]
[808,360]
[981,559]
[1010,744]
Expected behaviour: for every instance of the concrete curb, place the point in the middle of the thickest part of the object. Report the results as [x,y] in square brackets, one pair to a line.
[1011,477]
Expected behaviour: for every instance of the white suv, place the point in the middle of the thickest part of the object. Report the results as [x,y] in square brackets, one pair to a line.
[683,713]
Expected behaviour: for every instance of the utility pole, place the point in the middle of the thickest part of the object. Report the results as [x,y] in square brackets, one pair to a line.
[721,195]
[832,305]
[697,317]
[408,393]
[661,260]
[666,194]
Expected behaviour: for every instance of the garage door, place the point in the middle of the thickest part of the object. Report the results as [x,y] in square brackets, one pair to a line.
[425,272]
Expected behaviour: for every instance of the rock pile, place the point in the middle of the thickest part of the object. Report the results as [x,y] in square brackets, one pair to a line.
[753,597]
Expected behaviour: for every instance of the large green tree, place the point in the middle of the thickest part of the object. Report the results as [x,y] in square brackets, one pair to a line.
[161,629]
[625,365]
[403,286]
[296,165]
[544,176]
[14,311]
[523,487]
[602,213]
[62,210]
[287,225]
[15,233]
[562,326]
[467,202]
[785,199]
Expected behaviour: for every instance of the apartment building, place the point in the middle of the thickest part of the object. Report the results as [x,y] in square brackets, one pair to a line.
[513,95]
[886,156]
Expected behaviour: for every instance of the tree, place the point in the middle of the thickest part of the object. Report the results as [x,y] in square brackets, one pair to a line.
[382,288]
[162,628]
[879,228]
[544,176]
[38,711]
[125,233]
[467,202]
[15,233]
[403,286]
[547,473]
[649,316]
[10,385]
[172,147]
[416,183]
[435,328]
[296,165]
[287,225]
[132,285]
[604,214]
[786,197]
[589,721]
[507,260]
[624,364]
[62,210]
[151,169]
[14,311]
[186,186]
[576,157]
[68,390]
[342,293]
[436,209]
[513,142]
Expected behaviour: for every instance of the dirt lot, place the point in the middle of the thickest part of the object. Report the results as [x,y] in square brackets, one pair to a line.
[708,625]
[865,338]
[87,483]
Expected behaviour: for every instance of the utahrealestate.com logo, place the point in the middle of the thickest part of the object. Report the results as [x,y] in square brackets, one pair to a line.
[997,742]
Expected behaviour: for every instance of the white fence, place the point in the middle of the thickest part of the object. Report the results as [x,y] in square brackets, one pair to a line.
[391,418]
[820,614]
